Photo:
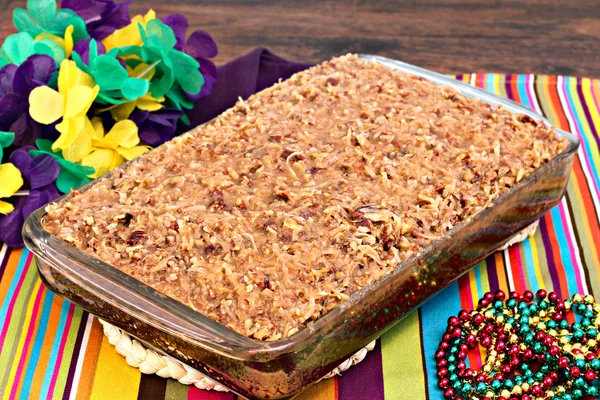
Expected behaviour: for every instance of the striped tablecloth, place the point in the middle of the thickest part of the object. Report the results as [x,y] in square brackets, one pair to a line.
[51,349]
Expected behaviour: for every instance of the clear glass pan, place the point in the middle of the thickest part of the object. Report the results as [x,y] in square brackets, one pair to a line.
[283,368]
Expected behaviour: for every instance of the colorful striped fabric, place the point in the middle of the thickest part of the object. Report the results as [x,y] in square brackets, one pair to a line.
[52,349]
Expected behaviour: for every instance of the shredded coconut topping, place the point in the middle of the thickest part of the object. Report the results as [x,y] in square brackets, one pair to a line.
[307,192]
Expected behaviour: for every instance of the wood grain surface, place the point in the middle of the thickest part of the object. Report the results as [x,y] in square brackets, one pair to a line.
[509,36]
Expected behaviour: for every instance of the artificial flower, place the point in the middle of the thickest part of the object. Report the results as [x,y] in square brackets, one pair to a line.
[185,69]
[39,171]
[42,16]
[19,47]
[155,128]
[199,45]
[11,179]
[82,145]
[102,17]
[146,102]
[121,143]
[65,42]
[71,175]
[175,70]
[110,74]
[39,174]
[11,224]
[16,83]
[130,34]
[76,93]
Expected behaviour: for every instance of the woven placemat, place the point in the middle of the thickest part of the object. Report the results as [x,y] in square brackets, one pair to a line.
[149,361]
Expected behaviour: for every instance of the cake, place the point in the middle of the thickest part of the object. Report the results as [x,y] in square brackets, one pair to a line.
[300,196]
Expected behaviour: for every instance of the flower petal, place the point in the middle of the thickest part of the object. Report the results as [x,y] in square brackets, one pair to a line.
[21,159]
[187,72]
[67,181]
[71,76]
[26,130]
[124,133]
[98,128]
[134,88]
[80,148]
[11,179]
[117,160]
[6,207]
[69,129]
[6,139]
[116,18]
[16,48]
[7,74]
[86,9]
[46,105]
[11,224]
[42,11]
[160,35]
[56,39]
[149,103]
[50,48]
[123,111]
[201,44]
[36,71]
[12,106]
[179,24]
[79,100]
[69,41]
[101,160]
[109,73]
[35,200]
[134,152]
[44,170]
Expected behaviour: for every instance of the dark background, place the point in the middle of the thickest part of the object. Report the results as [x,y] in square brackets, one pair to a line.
[510,36]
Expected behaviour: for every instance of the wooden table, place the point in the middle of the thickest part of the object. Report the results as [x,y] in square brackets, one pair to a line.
[526,36]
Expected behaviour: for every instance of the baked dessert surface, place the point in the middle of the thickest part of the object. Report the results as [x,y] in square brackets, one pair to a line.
[293,200]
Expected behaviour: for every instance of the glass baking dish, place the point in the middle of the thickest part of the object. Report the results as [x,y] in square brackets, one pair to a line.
[283,368]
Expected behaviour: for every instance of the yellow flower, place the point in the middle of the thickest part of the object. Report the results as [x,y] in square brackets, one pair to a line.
[76,93]
[129,35]
[146,102]
[82,145]
[66,42]
[120,144]
[11,179]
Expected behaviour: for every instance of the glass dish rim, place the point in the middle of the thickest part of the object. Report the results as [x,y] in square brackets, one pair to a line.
[211,335]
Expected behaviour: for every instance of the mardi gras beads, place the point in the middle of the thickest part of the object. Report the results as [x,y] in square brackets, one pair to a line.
[533,351]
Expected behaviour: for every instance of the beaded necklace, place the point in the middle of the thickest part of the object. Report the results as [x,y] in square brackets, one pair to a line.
[533,352]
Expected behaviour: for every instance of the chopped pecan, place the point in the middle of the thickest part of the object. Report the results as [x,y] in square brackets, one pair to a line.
[136,237]
[213,249]
[332,81]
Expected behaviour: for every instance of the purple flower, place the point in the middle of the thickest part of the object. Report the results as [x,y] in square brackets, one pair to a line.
[155,128]
[102,17]
[39,174]
[15,85]
[199,45]
[83,49]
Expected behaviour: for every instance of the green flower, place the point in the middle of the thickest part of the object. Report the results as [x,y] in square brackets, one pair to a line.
[175,71]
[116,86]
[41,29]
[42,16]
[71,175]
